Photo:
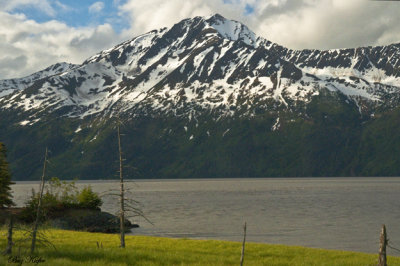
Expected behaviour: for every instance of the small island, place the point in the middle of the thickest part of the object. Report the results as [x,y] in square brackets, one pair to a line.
[64,206]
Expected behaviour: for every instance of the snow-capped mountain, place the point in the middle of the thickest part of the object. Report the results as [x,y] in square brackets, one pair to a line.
[208,98]
[206,64]
[8,86]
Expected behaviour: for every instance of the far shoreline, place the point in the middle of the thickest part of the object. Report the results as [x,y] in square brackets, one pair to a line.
[212,179]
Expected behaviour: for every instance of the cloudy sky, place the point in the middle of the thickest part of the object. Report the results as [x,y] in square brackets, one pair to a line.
[37,33]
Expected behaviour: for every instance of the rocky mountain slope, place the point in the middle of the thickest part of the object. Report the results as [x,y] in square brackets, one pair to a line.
[208,98]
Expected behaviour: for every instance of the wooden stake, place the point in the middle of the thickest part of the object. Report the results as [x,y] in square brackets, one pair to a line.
[244,242]
[121,181]
[382,247]
[36,224]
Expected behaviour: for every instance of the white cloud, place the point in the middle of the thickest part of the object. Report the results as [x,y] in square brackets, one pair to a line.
[297,24]
[96,7]
[62,6]
[146,15]
[27,46]
[328,24]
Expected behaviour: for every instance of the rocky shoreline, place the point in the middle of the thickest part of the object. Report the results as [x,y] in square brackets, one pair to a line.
[87,220]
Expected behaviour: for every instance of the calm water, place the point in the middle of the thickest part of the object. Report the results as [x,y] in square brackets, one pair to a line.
[332,213]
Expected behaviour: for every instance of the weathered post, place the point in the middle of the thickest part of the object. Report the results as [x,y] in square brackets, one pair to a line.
[382,247]
[243,244]
[8,250]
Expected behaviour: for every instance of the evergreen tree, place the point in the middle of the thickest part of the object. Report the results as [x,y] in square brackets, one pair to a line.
[5,180]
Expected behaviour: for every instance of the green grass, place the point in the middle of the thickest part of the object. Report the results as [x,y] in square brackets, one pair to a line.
[80,248]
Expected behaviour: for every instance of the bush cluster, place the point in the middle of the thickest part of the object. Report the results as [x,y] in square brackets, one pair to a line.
[59,196]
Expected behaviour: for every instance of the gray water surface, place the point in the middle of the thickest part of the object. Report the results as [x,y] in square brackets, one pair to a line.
[331,213]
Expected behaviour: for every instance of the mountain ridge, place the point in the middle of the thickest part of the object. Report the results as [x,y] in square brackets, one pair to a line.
[199,95]
[145,56]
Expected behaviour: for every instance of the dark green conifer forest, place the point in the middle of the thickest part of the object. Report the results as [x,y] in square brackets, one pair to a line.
[5,179]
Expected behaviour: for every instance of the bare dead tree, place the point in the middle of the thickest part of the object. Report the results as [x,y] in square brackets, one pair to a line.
[128,207]
[122,191]
[36,224]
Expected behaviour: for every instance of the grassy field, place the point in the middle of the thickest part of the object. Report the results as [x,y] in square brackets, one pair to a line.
[80,248]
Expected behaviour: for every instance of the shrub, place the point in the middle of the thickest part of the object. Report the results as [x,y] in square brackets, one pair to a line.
[65,192]
[89,199]
[49,205]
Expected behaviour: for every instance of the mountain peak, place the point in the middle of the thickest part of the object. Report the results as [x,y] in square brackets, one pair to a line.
[231,29]
[216,16]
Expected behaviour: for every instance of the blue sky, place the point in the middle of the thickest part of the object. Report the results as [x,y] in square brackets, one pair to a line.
[78,13]
[37,33]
